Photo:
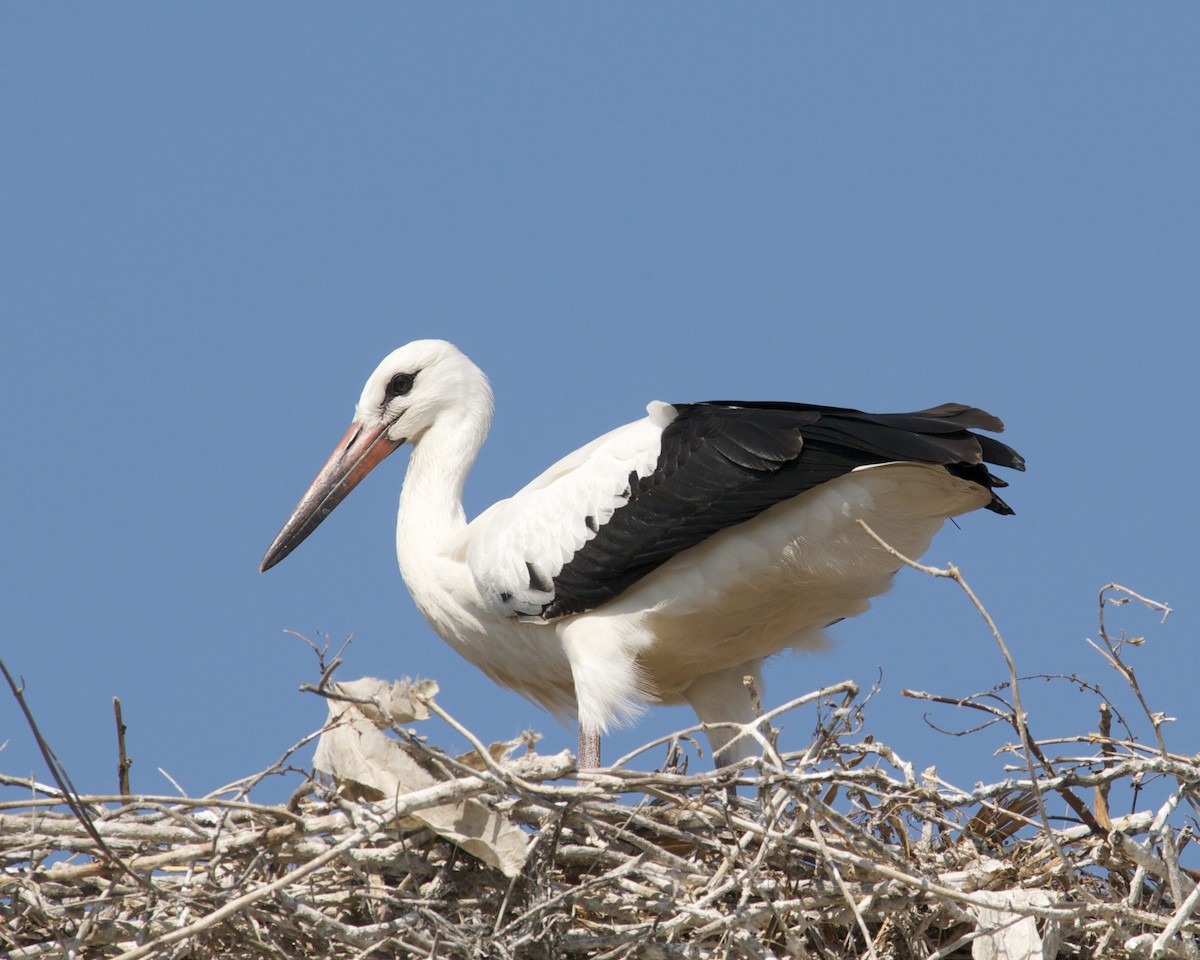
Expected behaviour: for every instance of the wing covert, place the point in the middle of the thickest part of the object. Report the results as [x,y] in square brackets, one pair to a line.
[615,510]
[518,547]
[724,462]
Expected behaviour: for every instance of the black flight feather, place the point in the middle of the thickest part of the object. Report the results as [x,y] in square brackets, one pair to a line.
[724,462]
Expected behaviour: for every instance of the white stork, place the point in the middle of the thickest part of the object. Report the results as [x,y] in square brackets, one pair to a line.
[663,561]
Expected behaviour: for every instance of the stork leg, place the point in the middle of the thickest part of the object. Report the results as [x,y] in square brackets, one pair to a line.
[589,748]
[605,676]
[723,698]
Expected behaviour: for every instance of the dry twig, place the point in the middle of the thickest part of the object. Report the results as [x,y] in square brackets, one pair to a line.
[837,850]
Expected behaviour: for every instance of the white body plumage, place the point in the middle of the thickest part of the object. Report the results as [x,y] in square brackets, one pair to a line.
[518,595]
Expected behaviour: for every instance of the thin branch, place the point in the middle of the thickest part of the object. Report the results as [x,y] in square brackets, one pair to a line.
[1019,717]
[123,761]
[841,848]
[1113,654]
[59,773]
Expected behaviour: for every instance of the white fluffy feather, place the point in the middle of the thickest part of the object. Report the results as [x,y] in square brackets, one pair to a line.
[691,629]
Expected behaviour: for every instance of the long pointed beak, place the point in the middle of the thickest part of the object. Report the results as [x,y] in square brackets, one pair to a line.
[356,455]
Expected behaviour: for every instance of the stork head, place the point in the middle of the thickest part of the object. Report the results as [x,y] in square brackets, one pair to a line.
[421,384]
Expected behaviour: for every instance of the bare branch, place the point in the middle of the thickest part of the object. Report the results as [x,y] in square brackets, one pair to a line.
[836,848]
[123,761]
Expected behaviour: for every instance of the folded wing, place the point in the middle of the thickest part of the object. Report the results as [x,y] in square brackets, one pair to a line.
[609,514]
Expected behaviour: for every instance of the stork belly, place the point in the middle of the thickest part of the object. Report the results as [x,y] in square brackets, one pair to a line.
[775,581]
[525,657]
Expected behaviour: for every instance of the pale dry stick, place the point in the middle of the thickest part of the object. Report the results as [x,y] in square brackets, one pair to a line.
[368,935]
[53,794]
[497,775]
[69,793]
[504,776]
[437,795]
[1147,862]
[831,731]
[649,849]
[841,884]
[721,885]
[566,895]
[1131,595]
[772,810]
[502,910]
[1162,829]
[255,836]
[1092,760]
[755,728]
[1179,769]
[1114,658]
[242,786]
[327,670]
[1130,824]
[675,737]
[147,800]
[718,886]
[613,813]
[801,905]
[926,886]
[1175,926]
[1175,876]
[995,714]
[173,782]
[954,946]
[848,688]
[871,781]
[881,851]
[686,915]
[962,798]
[172,826]
[880,749]
[630,942]
[508,776]
[952,573]
[1142,945]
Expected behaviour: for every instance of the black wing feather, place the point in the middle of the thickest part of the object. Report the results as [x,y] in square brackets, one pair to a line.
[724,462]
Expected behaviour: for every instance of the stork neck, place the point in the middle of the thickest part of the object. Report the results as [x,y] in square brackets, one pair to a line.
[431,509]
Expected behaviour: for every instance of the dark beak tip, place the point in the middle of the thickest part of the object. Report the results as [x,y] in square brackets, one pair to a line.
[354,457]
[273,555]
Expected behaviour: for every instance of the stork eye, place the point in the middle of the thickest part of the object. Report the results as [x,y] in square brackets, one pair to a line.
[400,385]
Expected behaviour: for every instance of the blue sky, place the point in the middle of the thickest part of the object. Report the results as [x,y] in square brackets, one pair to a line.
[217,218]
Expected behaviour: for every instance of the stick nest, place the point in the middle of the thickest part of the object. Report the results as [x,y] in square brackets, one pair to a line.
[840,849]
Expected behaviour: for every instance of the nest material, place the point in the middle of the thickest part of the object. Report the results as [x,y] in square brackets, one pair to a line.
[840,850]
